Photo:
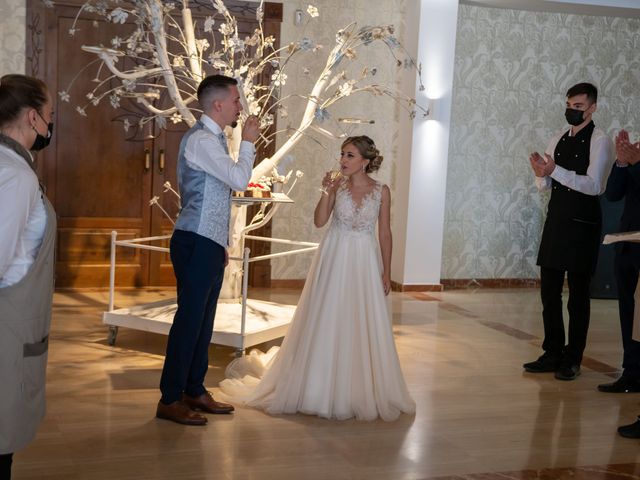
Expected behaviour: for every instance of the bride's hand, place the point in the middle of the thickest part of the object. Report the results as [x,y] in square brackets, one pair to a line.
[330,182]
[386,283]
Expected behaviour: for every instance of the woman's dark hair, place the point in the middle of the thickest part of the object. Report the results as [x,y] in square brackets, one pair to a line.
[367,149]
[18,92]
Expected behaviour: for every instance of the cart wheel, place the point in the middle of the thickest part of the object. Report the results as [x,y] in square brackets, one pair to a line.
[113,333]
[239,352]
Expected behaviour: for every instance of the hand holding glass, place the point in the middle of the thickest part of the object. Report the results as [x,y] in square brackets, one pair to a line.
[329,181]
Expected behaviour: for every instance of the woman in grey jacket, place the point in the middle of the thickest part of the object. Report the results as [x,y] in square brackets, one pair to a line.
[27,234]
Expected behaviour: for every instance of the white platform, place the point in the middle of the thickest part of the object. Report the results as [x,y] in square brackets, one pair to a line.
[264,321]
[276,197]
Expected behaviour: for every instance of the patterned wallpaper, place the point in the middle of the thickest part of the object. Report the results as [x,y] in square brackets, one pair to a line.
[314,155]
[512,69]
[12,36]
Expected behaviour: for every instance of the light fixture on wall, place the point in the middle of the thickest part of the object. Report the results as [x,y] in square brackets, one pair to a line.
[298,15]
[429,105]
[425,107]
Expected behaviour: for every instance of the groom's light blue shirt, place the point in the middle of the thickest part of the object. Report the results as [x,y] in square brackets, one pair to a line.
[206,177]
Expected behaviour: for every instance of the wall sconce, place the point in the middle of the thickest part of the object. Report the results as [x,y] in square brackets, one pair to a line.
[430,104]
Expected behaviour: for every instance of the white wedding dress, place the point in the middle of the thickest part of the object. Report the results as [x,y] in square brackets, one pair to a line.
[338,359]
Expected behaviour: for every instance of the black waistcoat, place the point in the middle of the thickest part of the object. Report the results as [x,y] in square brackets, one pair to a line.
[571,234]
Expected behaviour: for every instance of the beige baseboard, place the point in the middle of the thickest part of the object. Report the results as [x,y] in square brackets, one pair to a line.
[445,284]
[395,286]
[454,283]
[399,287]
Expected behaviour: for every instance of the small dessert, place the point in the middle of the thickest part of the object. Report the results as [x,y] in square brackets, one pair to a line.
[255,190]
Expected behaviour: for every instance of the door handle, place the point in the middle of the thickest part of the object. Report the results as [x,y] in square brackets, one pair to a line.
[161,162]
[147,160]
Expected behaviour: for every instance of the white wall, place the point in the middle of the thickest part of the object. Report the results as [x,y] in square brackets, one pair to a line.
[418,224]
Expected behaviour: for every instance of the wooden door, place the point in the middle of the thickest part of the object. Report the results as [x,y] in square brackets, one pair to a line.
[95,177]
[166,149]
[99,177]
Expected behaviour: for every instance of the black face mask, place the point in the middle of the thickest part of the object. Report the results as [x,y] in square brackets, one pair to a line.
[574,117]
[41,142]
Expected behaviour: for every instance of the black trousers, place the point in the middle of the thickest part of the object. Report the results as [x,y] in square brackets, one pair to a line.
[627,278]
[198,264]
[5,466]
[579,306]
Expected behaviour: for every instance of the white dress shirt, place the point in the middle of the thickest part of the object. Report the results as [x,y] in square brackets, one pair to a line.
[23,218]
[601,158]
[205,152]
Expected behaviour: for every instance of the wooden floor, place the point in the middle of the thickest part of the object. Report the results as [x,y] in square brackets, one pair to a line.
[478,415]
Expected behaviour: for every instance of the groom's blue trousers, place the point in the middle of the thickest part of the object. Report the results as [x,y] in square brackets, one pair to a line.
[198,264]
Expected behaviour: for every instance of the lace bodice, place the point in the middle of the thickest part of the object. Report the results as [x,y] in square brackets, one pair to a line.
[348,216]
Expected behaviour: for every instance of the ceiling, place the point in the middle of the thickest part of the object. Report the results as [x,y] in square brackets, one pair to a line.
[614,8]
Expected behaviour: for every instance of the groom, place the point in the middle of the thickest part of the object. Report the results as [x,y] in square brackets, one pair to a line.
[206,176]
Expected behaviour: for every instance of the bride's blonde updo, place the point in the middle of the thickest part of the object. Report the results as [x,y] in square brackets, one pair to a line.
[367,149]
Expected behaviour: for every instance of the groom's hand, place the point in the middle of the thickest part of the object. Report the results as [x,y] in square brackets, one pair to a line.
[251,129]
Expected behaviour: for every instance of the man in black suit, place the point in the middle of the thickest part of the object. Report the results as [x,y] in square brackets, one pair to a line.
[624,183]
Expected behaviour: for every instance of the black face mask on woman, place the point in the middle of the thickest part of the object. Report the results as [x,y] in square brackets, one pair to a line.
[574,117]
[41,142]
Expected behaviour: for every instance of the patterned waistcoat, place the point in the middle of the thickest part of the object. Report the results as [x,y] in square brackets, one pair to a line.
[206,201]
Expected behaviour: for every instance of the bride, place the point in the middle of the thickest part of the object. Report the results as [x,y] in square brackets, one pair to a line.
[338,359]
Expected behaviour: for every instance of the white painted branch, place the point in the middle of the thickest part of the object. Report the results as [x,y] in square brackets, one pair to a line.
[265,167]
[157,27]
[149,106]
[192,51]
[109,62]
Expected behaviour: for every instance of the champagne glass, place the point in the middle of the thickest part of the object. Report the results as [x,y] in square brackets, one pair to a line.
[333,176]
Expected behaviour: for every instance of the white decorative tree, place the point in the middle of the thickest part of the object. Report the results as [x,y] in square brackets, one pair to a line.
[164,56]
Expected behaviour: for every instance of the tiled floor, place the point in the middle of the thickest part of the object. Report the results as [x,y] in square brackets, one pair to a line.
[478,415]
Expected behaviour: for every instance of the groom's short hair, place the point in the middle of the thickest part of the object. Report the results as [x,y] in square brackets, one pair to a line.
[212,87]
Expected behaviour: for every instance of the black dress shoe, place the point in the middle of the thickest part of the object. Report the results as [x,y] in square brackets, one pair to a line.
[621,385]
[567,372]
[630,431]
[546,363]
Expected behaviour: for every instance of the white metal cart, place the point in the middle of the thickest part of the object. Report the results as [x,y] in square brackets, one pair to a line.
[239,324]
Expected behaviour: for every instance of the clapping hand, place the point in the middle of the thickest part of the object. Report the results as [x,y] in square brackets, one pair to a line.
[626,152]
[542,167]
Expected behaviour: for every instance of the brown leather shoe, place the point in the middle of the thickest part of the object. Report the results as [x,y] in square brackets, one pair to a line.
[206,403]
[179,412]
